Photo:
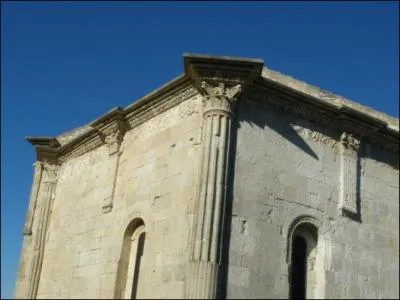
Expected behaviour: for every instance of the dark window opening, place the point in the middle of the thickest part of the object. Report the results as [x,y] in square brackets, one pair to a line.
[298,276]
[139,254]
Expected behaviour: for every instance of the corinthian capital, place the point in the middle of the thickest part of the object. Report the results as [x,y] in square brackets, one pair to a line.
[219,97]
[50,172]
[349,142]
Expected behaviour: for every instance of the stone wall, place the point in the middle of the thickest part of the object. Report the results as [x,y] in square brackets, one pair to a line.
[156,181]
[286,167]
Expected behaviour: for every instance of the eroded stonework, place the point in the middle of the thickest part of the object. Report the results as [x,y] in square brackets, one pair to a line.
[203,188]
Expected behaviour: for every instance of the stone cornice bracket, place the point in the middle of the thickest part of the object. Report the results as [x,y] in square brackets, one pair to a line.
[112,127]
[219,98]
[114,141]
[349,148]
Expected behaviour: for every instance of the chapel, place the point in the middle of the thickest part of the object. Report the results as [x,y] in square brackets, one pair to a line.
[230,181]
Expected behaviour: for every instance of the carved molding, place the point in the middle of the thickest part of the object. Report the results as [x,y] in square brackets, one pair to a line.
[189,108]
[89,145]
[159,106]
[315,135]
[223,75]
[326,118]
[104,131]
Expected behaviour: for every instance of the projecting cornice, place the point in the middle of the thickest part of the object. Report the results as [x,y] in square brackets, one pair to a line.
[274,88]
[222,69]
[327,109]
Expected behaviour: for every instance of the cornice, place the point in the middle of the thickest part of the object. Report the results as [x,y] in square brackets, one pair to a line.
[43,141]
[336,117]
[230,71]
[147,108]
[283,92]
[327,99]
[117,119]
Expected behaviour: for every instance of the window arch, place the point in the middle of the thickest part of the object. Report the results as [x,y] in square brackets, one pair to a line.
[304,260]
[130,265]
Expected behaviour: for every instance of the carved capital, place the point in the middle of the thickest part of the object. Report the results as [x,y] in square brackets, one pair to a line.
[349,142]
[113,141]
[219,98]
[50,172]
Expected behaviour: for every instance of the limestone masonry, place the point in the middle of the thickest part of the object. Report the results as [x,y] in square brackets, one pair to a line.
[230,181]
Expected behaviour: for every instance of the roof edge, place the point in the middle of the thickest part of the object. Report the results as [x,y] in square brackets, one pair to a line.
[327,98]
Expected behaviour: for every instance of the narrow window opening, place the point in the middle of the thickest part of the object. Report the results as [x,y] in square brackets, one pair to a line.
[139,255]
[299,268]
[131,266]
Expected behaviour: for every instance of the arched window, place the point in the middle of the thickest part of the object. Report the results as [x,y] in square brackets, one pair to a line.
[129,275]
[304,240]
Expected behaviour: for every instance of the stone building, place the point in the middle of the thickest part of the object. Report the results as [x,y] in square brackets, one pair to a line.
[230,181]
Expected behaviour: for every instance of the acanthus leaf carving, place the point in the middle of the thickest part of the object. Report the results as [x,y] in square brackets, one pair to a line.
[348,141]
[314,135]
[221,97]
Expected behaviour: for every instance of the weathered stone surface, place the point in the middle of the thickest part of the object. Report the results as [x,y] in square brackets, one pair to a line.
[220,169]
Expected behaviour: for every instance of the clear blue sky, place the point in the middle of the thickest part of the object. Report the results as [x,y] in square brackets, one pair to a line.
[64,64]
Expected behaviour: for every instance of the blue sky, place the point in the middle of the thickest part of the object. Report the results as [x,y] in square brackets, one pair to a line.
[65,64]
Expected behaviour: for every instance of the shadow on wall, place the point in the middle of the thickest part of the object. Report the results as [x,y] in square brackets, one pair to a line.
[281,123]
[389,158]
[277,121]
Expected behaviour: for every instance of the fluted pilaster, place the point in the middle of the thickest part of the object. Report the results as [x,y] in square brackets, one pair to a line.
[45,198]
[204,261]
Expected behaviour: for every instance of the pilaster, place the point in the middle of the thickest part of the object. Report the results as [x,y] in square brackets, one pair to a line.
[33,197]
[349,149]
[114,144]
[112,127]
[204,262]
[46,195]
[220,81]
